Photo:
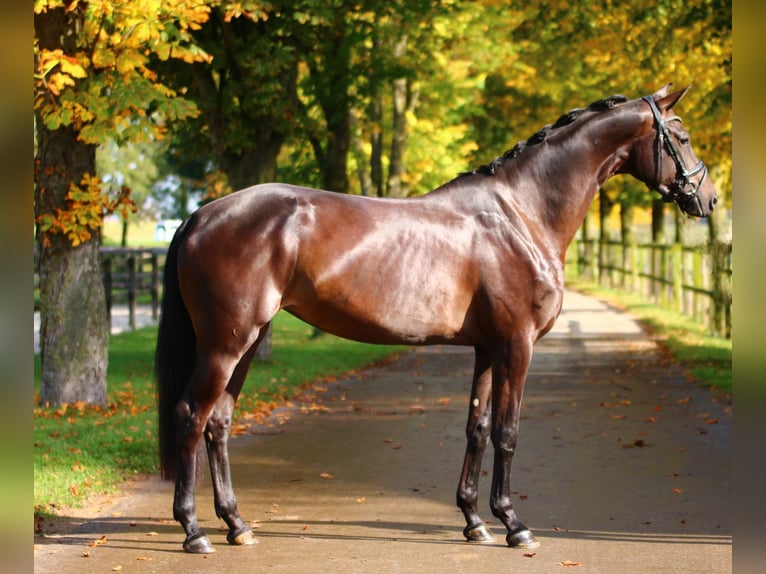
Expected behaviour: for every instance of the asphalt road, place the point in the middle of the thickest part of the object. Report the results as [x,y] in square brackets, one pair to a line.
[623,466]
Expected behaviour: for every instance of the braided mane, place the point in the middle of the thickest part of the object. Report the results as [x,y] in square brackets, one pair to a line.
[541,135]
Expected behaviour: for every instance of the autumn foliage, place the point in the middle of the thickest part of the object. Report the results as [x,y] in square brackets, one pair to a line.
[98,81]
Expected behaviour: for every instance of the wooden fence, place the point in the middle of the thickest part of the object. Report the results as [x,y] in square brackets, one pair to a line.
[131,276]
[695,281]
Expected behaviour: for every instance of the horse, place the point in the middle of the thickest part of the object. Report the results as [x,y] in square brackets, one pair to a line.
[478,262]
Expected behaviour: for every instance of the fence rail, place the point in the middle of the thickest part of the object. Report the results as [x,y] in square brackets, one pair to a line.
[129,273]
[695,281]
[130,276]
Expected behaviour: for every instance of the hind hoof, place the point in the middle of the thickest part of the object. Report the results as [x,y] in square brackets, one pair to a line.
[242,538]
[478,533]
[522,539]
[198,544]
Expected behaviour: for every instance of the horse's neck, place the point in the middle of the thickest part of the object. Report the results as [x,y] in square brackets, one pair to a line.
[561,178]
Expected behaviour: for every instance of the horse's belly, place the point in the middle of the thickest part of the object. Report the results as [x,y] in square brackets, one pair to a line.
[390,317]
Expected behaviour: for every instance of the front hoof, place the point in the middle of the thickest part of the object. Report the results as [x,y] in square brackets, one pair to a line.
[241,538]
[478,533]
[198,544]
[522,539]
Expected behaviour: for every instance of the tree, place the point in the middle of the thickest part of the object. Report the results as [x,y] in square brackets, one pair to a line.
[246,92]
[631,47]
[92,83]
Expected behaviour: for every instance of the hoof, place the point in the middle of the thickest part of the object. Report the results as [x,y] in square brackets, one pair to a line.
[478,533]
[198,544]
[241,538]
[522,539]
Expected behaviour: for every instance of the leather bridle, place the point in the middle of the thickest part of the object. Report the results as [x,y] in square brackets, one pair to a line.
[678,191]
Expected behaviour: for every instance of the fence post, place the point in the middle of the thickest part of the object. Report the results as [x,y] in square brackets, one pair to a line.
[106,266]
[720,287]
[676,267]
[155,284]
[132,291]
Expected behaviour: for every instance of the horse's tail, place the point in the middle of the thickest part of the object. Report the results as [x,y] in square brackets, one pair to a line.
[174,357]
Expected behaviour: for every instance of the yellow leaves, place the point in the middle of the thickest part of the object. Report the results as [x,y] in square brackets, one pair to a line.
[56,71]
[128,61]
[86,207]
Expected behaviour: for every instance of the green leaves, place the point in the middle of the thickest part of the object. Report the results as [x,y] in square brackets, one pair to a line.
[102,81]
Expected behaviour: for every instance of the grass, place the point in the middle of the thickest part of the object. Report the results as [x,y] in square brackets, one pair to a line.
[707,358]
[81,450]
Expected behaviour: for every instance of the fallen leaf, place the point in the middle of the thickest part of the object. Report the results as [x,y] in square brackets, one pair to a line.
[326,475]
[569,563]
[678,490]
[530,554]
[152,534]
[619,417]
[117,568]
[711,421]
[100,542]
[142,558]
[85,554]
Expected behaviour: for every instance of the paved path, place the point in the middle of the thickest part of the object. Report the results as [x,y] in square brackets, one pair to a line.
[623,466]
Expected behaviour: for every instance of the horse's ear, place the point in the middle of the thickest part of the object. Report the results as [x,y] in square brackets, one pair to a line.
[662,92]
[664,103]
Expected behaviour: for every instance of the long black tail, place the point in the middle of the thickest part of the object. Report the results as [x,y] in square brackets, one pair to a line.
[174,357]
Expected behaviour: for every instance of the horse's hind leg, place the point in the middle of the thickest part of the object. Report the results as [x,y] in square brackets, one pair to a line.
[217,437]
[477,433]
[208,381]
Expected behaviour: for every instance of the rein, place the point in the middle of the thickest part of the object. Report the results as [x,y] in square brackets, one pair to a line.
[683,176]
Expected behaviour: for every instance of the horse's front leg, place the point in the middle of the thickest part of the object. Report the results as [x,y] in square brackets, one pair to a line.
[477,434]
[509,372]
[217,437]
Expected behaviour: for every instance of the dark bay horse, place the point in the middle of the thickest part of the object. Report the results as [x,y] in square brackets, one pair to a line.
[478,262]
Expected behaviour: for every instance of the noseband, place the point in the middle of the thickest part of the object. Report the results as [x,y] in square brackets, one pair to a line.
[677,192]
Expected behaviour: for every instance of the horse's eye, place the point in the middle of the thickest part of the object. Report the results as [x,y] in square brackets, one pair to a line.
[683,140]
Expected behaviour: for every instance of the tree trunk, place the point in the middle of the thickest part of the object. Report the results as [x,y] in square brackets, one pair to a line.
[335,164]
[254,167]
[74,331]
[357,146]
[404,101]
[376,143]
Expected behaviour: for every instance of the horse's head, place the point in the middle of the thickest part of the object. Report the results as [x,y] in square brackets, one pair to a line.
[665,161]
